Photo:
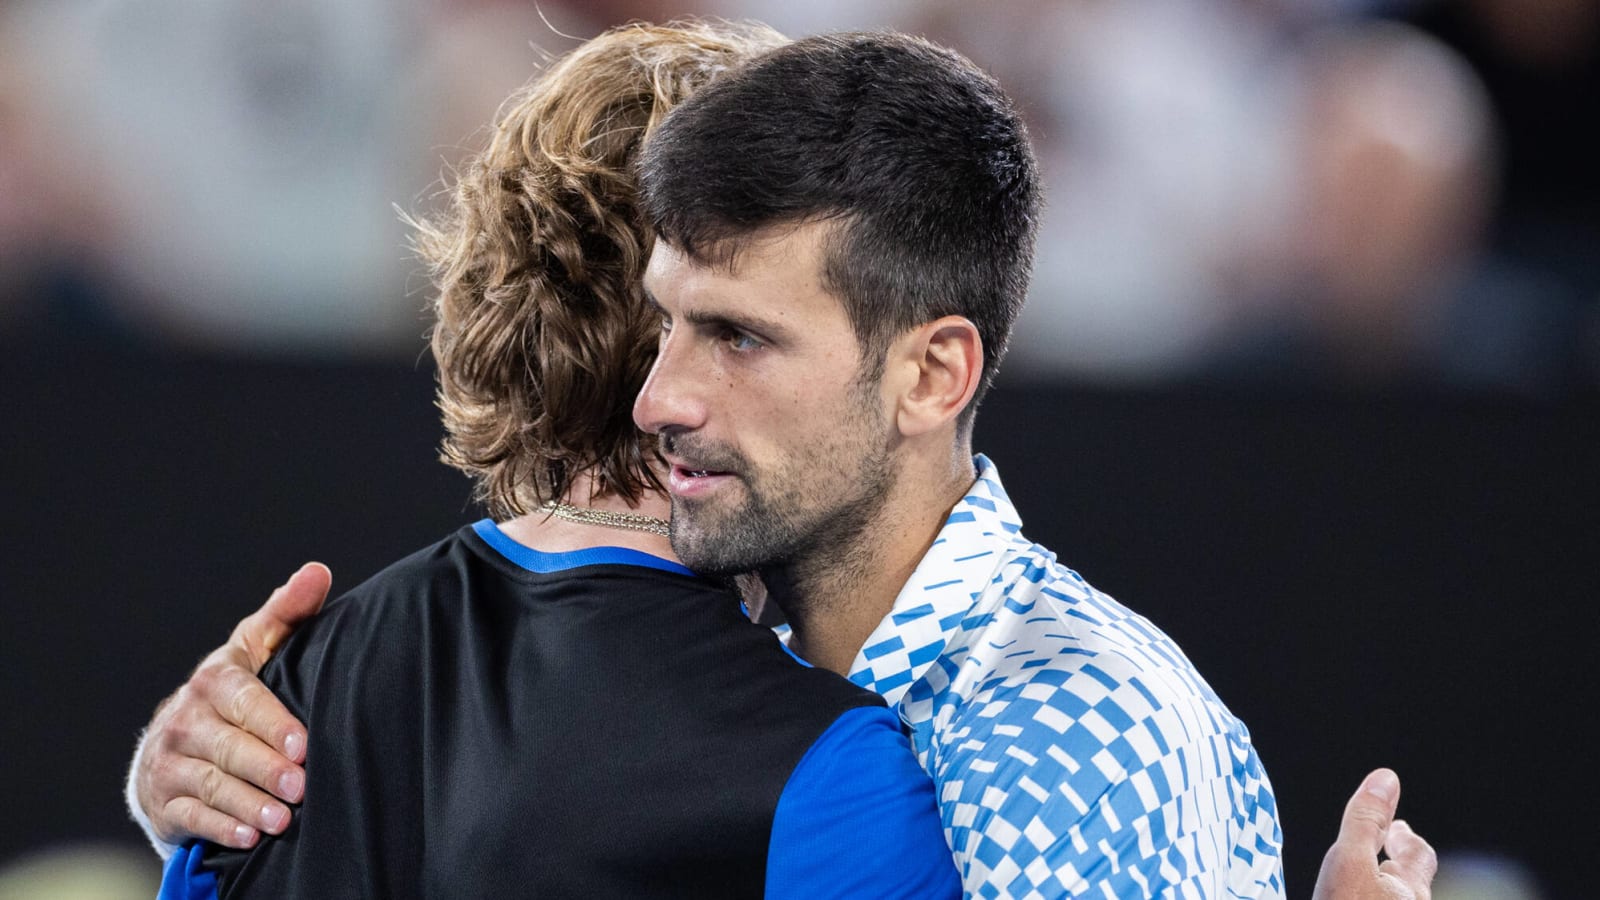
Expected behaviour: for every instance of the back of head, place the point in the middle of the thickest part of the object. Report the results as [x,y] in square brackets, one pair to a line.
[914,152]
[542,336]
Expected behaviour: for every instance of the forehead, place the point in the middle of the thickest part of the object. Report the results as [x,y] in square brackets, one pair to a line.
[777,272]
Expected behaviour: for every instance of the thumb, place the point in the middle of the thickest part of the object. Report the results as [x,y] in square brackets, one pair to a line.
[1370,812]
[1353,858]
[295,601]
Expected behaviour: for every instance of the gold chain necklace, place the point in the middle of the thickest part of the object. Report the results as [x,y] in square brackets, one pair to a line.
[585,515]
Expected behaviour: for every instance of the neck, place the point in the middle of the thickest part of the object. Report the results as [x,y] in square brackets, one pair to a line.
[542,531]
[834,600]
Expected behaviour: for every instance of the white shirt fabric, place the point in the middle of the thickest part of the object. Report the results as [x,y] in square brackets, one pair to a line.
[1075,749]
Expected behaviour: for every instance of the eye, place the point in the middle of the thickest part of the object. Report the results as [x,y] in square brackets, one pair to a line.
[739,342]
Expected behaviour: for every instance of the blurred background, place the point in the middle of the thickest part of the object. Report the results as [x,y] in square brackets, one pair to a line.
[1310,373]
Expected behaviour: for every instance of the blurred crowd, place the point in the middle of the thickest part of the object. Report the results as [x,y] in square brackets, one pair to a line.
[1348,193]
[1343,192]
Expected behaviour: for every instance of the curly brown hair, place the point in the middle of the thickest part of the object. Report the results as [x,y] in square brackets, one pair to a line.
[543,338]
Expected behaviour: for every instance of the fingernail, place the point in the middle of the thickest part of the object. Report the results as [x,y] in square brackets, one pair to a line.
[293,744]
[245,835]
[290,785]
[273,817]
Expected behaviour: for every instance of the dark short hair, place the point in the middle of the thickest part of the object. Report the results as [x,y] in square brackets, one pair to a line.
[915,152]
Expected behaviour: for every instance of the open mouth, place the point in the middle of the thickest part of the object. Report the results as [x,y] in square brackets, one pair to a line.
[697,473]
[686,482]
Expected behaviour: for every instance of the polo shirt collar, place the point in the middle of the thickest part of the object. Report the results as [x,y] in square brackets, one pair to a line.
[939,599]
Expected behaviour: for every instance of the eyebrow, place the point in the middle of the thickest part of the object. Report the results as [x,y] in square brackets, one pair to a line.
[771,332]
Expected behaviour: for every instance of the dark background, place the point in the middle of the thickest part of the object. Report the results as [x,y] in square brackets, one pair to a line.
[1376,579]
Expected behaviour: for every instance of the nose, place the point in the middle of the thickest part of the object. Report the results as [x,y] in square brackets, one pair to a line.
[670,399]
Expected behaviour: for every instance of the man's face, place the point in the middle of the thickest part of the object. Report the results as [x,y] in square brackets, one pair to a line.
[779,448]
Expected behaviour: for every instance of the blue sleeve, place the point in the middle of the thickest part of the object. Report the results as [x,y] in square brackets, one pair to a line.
[184,879]
[858,818]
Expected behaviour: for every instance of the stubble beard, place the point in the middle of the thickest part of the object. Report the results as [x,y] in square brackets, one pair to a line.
[794,518]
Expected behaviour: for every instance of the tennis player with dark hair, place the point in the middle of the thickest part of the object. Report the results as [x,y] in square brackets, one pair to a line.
[552,705]
[845,233]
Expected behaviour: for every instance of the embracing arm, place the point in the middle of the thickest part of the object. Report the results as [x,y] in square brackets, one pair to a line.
[221,756]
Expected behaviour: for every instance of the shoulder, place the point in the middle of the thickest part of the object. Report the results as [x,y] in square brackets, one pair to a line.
[1058,664]
[405,589]
[1043,625]
[373,631]
[858,818]
[1075,722]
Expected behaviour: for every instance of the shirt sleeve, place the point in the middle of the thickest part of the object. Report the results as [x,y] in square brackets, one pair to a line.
[858,818]
[1046,793]
[185,878]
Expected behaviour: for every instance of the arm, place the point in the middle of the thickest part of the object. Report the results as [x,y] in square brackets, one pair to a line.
[1351,871]
[222,752]
[1023,825]
[1051,782]
[858,819]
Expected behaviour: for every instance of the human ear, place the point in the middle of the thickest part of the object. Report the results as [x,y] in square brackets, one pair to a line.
[937,367]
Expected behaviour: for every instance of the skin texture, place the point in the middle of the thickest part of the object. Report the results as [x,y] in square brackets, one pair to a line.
[759,380]
[825,467]
[1351,869]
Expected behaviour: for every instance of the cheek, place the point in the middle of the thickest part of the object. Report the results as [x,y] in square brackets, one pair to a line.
[779,429]
[819,406]
[794,415]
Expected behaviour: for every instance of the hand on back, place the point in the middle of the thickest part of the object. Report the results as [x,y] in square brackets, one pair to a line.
[221,758]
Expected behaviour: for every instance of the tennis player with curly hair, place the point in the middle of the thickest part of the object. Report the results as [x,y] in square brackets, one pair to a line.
[547,703]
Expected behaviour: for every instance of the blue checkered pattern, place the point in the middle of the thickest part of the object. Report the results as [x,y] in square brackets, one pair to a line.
[1075,750]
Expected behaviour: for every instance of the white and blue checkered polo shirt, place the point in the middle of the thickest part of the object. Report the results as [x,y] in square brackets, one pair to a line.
[1075,749]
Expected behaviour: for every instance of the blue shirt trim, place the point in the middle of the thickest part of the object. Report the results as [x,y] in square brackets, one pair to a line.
[545,563]
[858,818]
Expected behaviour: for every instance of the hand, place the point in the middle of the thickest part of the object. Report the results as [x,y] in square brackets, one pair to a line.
[1351,870]
[219,746]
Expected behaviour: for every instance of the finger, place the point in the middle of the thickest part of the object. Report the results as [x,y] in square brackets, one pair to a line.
[225,693]
[241,755]
[1353,858]
[211,787]
[1411,859]
[195,819]
[234,750]
[241,699]
[190,768]
[298,599]
[1368,814]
